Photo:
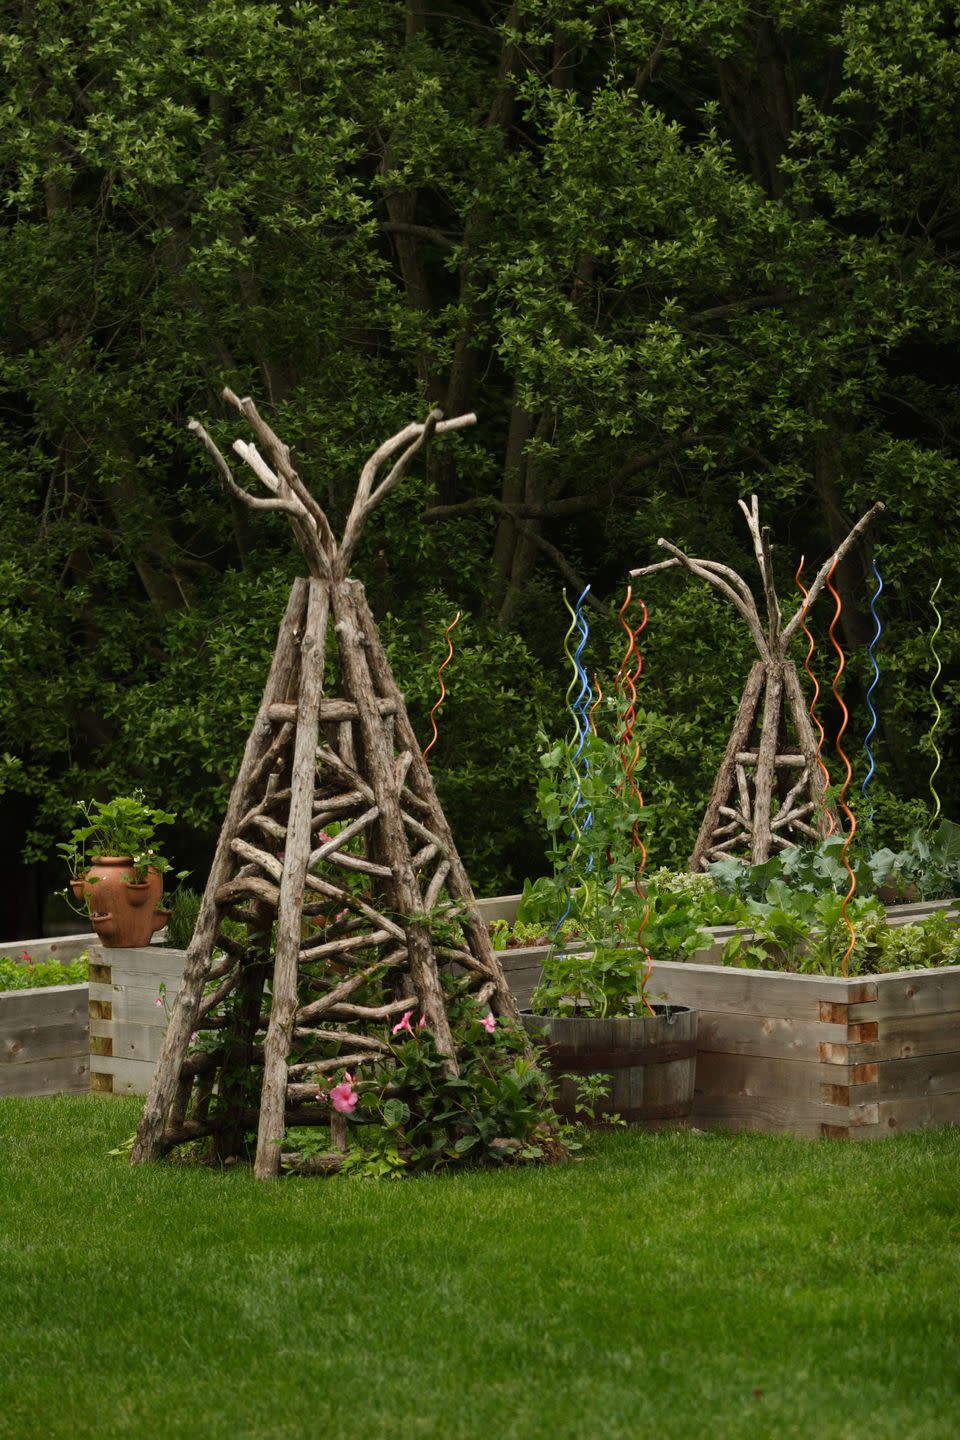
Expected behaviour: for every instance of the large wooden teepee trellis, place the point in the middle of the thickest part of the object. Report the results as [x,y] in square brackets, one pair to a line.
[769,790]
[384,901]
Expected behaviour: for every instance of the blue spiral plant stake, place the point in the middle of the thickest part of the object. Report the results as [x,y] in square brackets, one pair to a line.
[872,686]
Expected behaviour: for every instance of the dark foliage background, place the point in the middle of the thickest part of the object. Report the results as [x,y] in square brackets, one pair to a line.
[671,253]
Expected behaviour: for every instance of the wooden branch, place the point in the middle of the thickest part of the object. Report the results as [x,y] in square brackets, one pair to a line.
[410,440]
[714,566]
[784,761]
[374,1012]
[319,1068]
[456,879]
[793,817]
[766,754]
[793,793]
[329,847]
[432,893]
[747,610]
[724,782]
[344,944]
[356,652]
[253,502]
[281,459]
[329,710]
[284,982]
[327,1004]
[808,743]
[790,629]
[166,1077]
[333,762]
[370,1044]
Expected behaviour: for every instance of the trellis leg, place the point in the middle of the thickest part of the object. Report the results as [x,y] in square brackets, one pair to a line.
[395,851]
[726,776]
[163,1087]
[457,883]
[766,761]
[808,747]
[297,853]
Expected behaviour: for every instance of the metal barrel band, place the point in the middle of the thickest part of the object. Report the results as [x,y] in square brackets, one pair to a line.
[565,1057]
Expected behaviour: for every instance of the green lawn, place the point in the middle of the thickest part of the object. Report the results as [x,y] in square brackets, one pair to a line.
[666,1286]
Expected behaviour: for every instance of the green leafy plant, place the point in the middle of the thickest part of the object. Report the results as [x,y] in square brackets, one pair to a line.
[29,974]
[125,825]
[415,1117]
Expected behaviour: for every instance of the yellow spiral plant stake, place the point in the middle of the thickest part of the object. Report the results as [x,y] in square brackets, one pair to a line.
[936,702]
[443,688]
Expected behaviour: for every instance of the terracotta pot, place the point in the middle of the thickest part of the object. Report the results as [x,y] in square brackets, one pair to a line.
[76,889]
[122,920]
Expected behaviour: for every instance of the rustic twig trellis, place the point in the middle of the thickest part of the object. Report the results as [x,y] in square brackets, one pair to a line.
[327,913]
[769,790]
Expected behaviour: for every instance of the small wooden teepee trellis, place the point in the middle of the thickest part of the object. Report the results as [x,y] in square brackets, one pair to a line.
[769,790]
[335,914]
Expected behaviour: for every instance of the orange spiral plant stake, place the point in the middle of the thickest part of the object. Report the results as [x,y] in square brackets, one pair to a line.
[443,688]
[831,825]
[630,754]
[848,769]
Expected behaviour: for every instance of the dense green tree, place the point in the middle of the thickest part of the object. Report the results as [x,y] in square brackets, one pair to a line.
[671,253]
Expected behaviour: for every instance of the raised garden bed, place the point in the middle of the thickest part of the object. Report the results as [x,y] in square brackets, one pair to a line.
[44,1034]
[130,995]
[808,1054]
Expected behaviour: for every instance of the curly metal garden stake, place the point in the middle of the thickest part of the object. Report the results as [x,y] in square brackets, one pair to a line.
[870,689]
[821,733]
[443,688]
[936,702]
[851,820]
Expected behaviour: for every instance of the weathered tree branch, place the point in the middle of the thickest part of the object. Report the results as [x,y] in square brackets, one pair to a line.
[790,629]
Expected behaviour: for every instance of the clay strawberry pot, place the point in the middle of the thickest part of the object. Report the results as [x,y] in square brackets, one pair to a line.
[123,911]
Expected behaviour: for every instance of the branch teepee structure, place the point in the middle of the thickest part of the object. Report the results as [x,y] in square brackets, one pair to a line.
[310,945]
[769,790]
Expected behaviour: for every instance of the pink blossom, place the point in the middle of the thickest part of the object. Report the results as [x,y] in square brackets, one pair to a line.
[26,957]
[343,1097]
[159,1001]
[323,837]
[421,1022]
[489,1023]
[404,1024]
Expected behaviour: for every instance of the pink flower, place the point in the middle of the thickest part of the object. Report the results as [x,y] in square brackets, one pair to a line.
[26,957]
[343,1097]
[159,1001]
[404,1024]
[421,1022]
[489,1023]
[323,837]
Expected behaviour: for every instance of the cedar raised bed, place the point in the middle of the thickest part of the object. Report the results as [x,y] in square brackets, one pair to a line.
[808,1054]
[44,1038]
[805,1054]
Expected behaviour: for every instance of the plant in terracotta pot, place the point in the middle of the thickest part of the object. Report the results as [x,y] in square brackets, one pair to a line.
[117,868]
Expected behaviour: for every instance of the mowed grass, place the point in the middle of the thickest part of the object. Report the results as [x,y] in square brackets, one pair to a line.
[666,1285]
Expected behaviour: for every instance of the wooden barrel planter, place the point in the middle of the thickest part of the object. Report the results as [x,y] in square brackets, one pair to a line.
[650,1062]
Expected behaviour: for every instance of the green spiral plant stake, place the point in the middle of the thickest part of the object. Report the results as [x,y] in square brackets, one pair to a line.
[938,713]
